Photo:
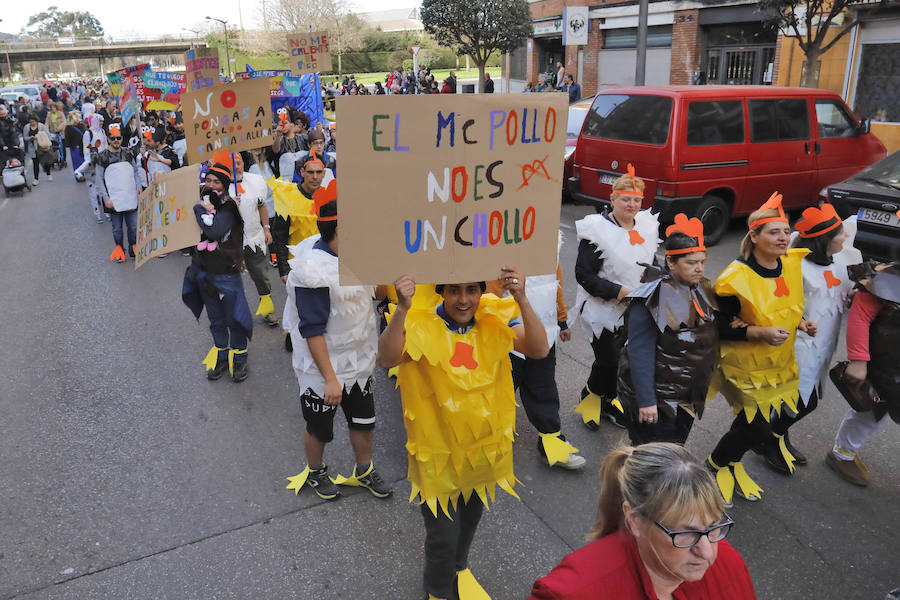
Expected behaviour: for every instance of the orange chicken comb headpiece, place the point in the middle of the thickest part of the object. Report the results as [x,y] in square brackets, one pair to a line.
[774,203]
[633,189]
[693,228]
[322,197]
[817,221]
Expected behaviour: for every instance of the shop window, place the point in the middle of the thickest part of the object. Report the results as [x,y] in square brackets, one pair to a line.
[834,122]
[716,122]
[878,83]
[779,120]
[659,36]
[630,118]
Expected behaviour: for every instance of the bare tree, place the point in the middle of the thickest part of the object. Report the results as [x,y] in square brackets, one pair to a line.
[810,21]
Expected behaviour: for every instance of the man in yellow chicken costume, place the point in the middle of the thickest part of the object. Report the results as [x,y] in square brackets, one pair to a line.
[459,410]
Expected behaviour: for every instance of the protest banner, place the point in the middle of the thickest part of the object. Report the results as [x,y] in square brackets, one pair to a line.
[115,78]
[201,66]
[130,101]
[304,94]
[166,221]
[309,52]
[162,90]
[274,76]
[475,184]
[235,116]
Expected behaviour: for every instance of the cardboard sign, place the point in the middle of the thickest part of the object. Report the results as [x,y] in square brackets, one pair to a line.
[235,116]
[275,77]
[166,221]
[475,184]
[202,68]
[309,52]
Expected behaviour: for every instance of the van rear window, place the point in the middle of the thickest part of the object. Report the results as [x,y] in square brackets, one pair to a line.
[630,118]
[716,122]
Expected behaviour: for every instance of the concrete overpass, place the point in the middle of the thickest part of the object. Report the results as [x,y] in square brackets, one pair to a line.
[62,49]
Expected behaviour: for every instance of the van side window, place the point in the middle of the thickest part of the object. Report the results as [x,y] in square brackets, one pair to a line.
[834,122]
[714,123]
[630,118]
[779,120]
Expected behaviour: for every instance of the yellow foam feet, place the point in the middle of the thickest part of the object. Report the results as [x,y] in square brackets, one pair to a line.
[615,402]
[297,481]
[748,488]
[265,305]
[212,357]
[556,448]
[231,354]
[724,479]
[469,588]
[590,407]
[785,453]
[353,480]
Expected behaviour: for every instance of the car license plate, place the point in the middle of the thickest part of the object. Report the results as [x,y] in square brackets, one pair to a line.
[882,217]
[608,179]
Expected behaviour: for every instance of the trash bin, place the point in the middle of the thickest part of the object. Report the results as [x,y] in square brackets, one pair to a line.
[468,88]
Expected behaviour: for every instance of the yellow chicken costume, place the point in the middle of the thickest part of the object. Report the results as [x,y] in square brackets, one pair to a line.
[756,376]
[291,203]
[459,407]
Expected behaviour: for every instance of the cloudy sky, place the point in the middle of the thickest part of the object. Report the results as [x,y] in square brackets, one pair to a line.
[161,16]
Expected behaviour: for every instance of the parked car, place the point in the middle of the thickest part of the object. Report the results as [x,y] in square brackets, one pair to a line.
[577,113]
[32,91]
[718,152]
[873,195]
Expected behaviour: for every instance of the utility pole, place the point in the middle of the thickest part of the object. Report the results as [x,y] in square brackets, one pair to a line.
[227,51]
[640,68]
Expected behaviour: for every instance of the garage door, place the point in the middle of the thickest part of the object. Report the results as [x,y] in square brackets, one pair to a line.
[616,67]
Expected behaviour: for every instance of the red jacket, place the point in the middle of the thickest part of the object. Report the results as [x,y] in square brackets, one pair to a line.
[611,569]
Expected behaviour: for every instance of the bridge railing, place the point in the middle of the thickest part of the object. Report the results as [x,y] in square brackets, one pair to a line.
[42,43]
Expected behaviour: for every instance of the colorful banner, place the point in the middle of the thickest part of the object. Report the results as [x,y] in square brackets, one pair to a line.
[201,66]
[303,93]
[130,102]
[166,221]
[115,78]
[480,187]
[235,116]
[309,52]
[275,77]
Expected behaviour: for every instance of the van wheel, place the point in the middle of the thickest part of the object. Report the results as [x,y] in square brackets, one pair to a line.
[715,215]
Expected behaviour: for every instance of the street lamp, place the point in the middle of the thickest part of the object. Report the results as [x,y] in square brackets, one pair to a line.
[196,33]
[227,53]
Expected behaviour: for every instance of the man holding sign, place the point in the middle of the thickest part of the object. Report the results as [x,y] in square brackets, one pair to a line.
[459,409]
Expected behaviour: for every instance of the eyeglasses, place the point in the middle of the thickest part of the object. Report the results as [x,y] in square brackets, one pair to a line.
[689,537]
[113,138]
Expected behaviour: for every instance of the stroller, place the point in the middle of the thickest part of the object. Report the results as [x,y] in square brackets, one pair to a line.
[58,150]
[14,175]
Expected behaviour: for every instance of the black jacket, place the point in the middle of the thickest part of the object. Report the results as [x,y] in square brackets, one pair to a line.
[9,134]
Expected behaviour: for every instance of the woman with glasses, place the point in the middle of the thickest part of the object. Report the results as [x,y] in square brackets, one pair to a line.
[659,534]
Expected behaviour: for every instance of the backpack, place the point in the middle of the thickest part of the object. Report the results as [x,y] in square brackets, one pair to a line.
[43,140]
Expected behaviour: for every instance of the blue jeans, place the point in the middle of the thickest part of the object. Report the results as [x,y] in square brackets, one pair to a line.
[130,218]
[226,329]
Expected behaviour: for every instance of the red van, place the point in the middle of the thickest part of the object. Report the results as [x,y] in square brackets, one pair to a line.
[718,152]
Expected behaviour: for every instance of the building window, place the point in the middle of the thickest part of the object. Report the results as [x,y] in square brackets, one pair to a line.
[518,63]
[714,123]
[779,120]
[878,83]
[659,36]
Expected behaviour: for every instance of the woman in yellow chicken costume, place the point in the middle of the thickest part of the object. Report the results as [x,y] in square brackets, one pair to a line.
[459,410]
[757,374]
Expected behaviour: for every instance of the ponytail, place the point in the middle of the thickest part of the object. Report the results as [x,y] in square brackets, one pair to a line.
[609,510]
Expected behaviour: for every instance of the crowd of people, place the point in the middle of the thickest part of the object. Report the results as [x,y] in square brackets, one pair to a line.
[665,340]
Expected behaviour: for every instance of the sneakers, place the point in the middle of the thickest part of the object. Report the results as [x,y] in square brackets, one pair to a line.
[615,417]
[240,372]
[576,461]
[49,176]
[373,482]
[218,371]
[322,485]
[271,320]
[772,456]
[186,252]
[853,471]
[35,182]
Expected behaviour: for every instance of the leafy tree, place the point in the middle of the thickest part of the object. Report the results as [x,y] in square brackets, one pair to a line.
[478,27]
[810,21]
[53,23]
